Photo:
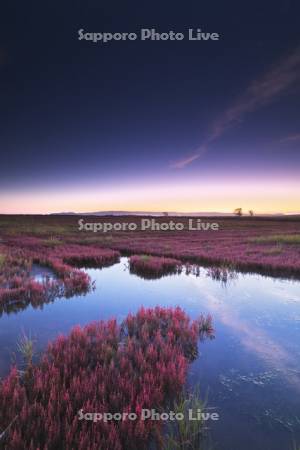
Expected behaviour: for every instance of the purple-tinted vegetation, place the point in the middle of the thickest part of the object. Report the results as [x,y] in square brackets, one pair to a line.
[257,244]
[17,285]
[153,266]
[104,367]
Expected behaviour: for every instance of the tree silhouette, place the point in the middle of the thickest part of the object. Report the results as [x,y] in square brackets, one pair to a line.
[238,211]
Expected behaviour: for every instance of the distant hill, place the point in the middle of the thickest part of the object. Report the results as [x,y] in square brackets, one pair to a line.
[155,214]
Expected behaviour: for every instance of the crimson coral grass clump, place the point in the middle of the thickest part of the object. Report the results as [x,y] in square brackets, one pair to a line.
[17,285]
[90,257]
[15,281]
[248,244]
[104,367]
[153,266]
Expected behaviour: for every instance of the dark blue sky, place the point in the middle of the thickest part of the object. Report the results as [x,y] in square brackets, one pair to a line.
[76,112]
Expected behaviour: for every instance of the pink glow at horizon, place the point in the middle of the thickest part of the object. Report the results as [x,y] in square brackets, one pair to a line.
[262,196]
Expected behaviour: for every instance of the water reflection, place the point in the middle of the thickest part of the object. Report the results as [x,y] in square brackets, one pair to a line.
[256,339]
[252,367]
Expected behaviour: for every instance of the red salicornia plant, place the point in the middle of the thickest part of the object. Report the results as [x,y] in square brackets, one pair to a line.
[104,367]
[148,266]
[17,286]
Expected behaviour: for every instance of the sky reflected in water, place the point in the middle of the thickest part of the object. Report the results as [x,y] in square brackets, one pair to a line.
[250,371]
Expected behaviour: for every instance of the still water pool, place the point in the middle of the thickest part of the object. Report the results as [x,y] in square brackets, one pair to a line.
[250,372]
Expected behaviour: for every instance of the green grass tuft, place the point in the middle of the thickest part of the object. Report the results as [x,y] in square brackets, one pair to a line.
[187,434]
[277,239]
[277,250]
[145,257]
[2,260]
[25,346]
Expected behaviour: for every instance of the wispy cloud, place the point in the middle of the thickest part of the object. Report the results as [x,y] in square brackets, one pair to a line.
[276,81]
[260,92]
[186,160]
[291,138]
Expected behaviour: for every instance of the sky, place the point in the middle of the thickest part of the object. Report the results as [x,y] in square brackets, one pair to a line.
[153,125]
